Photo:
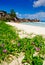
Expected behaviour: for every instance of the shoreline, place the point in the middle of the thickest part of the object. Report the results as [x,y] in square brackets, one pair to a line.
[28,28]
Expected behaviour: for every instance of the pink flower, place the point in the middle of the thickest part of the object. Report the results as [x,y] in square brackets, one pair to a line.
[4,50]
[37,49]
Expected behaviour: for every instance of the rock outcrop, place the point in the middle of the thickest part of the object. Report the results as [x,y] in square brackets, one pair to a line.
[5,16]
[26,20]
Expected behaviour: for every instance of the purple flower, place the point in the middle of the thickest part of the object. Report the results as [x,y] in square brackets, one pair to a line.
[37,49]
[4,50]
[18,44]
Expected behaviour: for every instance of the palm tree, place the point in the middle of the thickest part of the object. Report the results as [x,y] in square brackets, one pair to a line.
[12,13]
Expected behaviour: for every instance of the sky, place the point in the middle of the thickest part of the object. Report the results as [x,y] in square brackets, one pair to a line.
[31,9]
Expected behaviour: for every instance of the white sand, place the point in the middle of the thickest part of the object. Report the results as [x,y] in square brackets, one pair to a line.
[29,28]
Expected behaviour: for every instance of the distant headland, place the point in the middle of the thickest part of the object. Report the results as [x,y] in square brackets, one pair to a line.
[12,17]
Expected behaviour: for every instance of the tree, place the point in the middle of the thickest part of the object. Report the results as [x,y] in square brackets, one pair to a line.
[12,13]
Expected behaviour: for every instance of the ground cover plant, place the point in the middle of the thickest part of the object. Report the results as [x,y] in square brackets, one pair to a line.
[29,47]
[10,43]
[7,39]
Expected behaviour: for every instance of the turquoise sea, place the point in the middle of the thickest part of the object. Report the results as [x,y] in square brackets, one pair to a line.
[41,24]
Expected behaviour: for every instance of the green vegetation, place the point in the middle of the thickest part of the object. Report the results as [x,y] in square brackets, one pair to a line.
[10,43]
[7,39]
[12,13]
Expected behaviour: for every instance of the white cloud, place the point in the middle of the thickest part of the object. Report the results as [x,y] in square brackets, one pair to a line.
[39,15]
[36,15]
[39,3]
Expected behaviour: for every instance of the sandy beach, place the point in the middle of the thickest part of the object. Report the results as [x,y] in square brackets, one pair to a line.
[22,32]
[28,28]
